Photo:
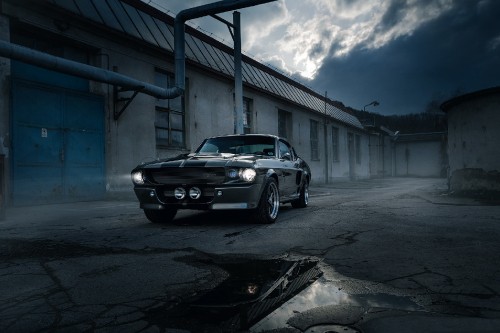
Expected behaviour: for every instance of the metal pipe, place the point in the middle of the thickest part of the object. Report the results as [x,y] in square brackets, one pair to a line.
[325,132]
[238,80]
[24,54]
[196,12]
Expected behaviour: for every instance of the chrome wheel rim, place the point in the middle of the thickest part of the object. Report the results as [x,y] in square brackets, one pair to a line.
[306,193]
[273,200]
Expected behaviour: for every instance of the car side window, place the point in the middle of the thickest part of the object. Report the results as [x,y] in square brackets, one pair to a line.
[284,150]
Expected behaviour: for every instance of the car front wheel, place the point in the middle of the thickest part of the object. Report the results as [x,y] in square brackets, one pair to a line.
[160,216]
[269,204]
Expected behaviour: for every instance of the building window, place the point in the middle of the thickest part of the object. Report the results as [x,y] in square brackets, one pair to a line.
[169,118]
[284,124]
[335,144]
[169,126]
[357,142]
[247,115]
[314,140]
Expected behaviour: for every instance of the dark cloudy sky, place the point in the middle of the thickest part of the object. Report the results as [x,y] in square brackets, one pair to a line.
[402,53]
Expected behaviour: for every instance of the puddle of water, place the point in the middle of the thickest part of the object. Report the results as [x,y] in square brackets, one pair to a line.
[322,293]
[261,295]
[317,294]
[331,329]
[252,290]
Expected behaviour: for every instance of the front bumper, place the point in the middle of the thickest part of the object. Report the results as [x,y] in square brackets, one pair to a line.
[212,198]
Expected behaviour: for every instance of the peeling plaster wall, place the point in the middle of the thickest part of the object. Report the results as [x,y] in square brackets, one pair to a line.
[473,143]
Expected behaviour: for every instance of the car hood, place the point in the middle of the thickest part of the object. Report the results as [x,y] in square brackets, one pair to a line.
[210,161]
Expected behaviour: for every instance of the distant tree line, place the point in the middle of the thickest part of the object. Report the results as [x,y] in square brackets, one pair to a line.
[432,120]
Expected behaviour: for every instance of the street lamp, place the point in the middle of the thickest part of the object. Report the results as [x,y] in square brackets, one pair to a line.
[374,103]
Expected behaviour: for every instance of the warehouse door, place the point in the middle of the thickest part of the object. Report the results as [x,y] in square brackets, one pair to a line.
[58,144]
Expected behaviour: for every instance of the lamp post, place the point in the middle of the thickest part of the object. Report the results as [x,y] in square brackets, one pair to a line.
[374,103]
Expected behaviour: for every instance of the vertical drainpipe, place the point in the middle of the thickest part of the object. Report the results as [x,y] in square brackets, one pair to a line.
[383,155]
[393,155]
[326,143]
[179,34]
[238,81]
[179,51]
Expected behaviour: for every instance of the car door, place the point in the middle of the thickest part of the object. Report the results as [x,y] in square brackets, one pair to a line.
[288,169]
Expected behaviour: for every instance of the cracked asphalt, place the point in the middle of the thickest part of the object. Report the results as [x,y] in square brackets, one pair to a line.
[406,256]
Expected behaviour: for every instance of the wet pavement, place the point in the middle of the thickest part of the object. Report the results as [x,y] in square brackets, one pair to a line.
[389,255]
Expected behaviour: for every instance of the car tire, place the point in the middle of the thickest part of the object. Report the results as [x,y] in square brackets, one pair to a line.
[160,216]
[269,203]
[303,199]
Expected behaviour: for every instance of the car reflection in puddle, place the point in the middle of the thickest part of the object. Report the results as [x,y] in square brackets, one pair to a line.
[261,295]
[253,289]
[325,293]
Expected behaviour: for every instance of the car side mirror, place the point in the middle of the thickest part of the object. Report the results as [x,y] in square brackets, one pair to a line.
[287,156]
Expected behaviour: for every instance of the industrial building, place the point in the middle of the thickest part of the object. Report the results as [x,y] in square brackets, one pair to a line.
[473,138]
[65,137]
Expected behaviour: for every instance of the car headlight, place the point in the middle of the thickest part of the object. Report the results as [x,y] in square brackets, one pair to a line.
[138,178]
[248,175]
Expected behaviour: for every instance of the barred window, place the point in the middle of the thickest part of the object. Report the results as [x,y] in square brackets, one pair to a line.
[314,140]
[284,124]
[169,127]
[357,142]
[335,144]
[169,118]
[247,115]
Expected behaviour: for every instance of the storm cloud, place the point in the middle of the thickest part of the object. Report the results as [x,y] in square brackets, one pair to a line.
[403,53]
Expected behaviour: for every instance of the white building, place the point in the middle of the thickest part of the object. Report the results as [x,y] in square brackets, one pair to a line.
[473,136]
[66,138]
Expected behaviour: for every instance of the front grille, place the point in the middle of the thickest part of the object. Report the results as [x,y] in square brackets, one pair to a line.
[179,176]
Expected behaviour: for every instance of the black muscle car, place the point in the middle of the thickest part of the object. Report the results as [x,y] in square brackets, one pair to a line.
[251,172]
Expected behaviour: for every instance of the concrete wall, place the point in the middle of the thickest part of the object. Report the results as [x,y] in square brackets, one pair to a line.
[209,109]
[4,117]
[418,159]
[381,155]
[474,134]
[473,137]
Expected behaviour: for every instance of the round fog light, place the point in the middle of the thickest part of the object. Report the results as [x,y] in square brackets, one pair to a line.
[179,193]
[232,173]
[194,193]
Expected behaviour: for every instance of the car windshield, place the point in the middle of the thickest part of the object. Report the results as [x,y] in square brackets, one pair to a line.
[255,145]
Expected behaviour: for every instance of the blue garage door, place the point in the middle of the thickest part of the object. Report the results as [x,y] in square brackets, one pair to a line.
[58,144]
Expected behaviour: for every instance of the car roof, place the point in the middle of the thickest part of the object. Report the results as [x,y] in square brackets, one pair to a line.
[251,134]
[245,135]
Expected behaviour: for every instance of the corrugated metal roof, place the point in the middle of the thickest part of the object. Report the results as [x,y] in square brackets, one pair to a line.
[148,24]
